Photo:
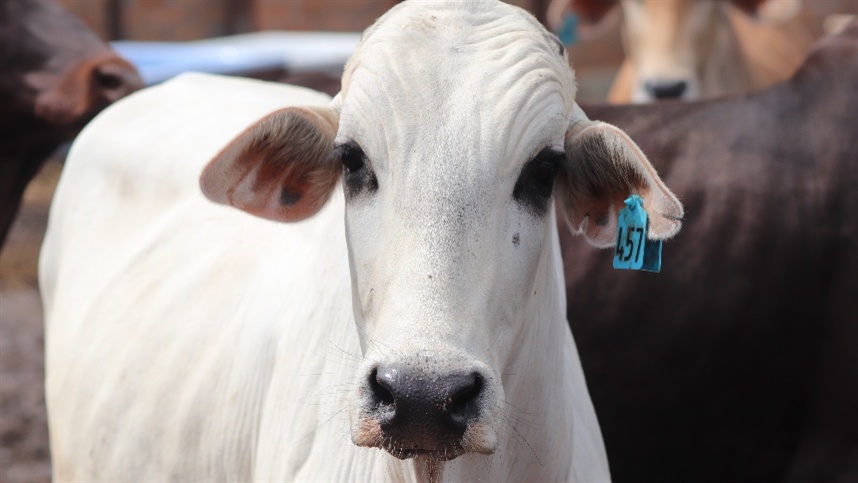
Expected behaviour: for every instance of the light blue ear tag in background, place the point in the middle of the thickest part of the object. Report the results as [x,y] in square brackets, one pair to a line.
[568,32]
[633,251]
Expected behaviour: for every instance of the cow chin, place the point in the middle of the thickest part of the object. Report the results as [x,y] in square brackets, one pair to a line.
[477,438]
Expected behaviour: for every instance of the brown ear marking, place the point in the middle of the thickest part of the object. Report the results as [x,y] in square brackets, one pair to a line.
[290,196]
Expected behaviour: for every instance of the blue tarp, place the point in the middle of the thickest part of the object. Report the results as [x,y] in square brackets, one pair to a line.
[240,54]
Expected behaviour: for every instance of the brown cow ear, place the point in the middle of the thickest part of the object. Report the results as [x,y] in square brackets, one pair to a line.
[280,168]
[604,167]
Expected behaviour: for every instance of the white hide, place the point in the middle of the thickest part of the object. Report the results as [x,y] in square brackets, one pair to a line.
[171,321]
[188,341]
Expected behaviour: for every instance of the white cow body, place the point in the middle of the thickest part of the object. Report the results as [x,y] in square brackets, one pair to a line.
[188,341]
[204,346]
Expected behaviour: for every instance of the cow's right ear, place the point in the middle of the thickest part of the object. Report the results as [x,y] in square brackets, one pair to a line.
[280,168]
[604,167]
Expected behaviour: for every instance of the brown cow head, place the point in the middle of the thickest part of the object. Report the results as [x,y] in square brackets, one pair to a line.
[52,67]
[55,75]
[672,45]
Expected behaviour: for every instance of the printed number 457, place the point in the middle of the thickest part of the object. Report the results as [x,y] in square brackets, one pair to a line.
[633,247]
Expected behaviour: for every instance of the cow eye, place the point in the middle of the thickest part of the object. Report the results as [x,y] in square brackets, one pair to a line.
[351,155]
[543,175]
[357,177]
[536,182]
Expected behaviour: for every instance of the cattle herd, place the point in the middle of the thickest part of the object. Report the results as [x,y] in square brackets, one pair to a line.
[248,280]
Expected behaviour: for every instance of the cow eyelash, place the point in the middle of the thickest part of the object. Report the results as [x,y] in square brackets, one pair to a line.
[351,155]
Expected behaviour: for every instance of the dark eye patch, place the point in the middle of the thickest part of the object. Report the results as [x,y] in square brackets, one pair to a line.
[358,176]
[535,184]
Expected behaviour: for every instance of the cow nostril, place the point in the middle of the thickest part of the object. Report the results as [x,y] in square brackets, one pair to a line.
[108,80]
[462,403]
[380,390]
[114,79]
[666,89]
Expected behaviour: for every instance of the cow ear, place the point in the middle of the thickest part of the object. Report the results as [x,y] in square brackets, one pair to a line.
[280,168]
[769,11]
[604,167]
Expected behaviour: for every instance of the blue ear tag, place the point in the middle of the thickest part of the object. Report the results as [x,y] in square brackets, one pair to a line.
[568,32]
[633,251]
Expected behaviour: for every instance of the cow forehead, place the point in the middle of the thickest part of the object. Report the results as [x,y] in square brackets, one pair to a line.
[468,81]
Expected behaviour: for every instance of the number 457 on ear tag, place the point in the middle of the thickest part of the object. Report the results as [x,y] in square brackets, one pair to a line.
[633,251]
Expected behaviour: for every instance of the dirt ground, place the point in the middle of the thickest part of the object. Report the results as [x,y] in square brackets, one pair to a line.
[24,449]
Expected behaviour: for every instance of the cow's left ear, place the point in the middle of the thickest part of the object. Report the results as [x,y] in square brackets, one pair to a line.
[604,167]
[280,168]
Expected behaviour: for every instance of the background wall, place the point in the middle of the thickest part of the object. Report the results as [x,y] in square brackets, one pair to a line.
[198,19]
[595,60]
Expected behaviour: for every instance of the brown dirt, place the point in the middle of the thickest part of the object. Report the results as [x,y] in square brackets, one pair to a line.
[24,449]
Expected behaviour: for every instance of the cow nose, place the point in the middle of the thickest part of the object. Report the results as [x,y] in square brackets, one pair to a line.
[115,78]
[666,89]
[431,409]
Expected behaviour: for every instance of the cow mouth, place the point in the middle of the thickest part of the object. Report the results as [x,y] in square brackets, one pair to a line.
[443,454]
[415,445]
[478,438]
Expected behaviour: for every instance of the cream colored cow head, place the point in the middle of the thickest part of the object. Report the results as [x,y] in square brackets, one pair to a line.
[681,49]
[454,137]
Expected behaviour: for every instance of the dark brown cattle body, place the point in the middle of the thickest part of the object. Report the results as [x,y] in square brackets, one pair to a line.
[739,361]
[316,80]
[55,75]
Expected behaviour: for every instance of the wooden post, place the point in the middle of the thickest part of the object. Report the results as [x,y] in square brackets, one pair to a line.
[113,19]
[238,16]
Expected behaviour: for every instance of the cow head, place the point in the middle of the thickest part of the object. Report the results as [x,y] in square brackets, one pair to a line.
[454,136]
[671,42]
[55,75]
[54,69]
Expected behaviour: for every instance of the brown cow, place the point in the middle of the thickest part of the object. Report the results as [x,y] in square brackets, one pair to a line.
[55,75]
[317,80]
[695,49]
[739,361]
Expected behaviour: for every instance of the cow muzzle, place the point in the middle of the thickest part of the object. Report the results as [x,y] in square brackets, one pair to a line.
[659,88]
[412,411]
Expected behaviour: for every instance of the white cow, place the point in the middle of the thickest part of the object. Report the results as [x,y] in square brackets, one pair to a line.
[426,341]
